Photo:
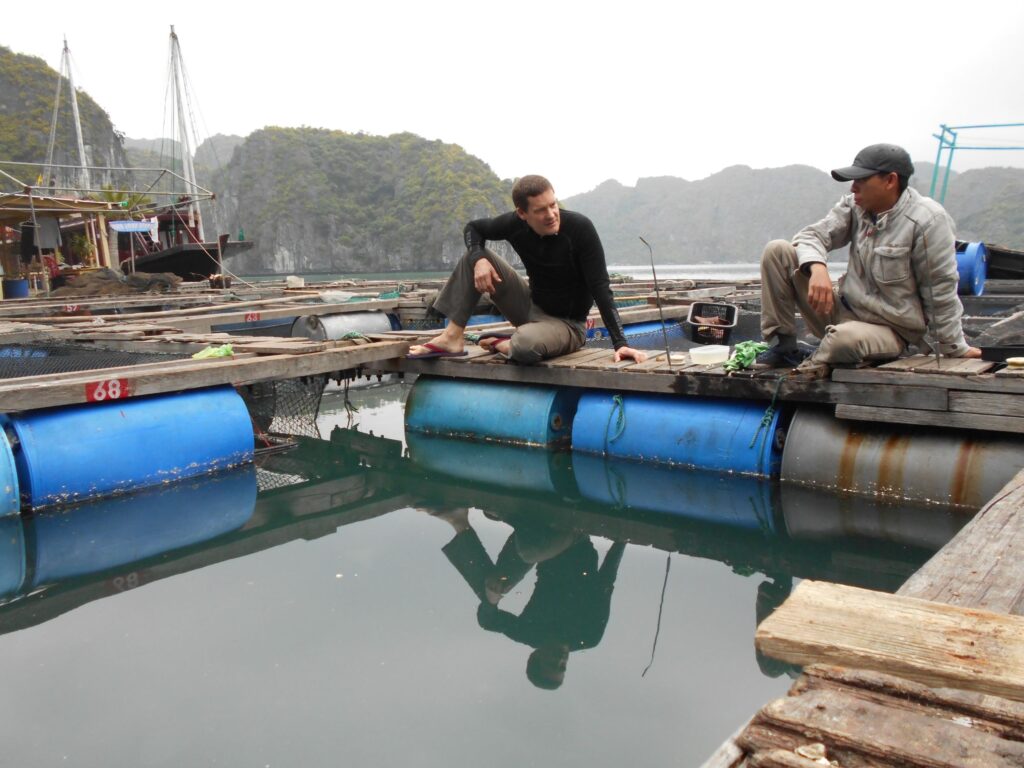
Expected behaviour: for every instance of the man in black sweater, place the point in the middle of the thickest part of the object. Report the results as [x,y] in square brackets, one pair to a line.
[567,274]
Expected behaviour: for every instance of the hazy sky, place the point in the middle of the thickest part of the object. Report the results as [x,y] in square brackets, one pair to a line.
[578,91]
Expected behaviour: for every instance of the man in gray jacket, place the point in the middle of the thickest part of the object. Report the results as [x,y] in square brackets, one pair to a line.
[900,284]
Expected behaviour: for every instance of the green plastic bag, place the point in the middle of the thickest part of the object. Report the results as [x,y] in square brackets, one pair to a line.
[224,350]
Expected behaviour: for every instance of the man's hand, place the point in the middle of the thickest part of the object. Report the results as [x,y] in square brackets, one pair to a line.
[628,353]
[973,352]
[485,276]
[819,291]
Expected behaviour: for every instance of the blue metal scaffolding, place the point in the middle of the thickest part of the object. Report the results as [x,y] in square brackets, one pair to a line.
[947,136]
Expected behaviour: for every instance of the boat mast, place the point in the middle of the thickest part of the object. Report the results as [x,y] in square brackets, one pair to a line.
[188,169]
[65,72]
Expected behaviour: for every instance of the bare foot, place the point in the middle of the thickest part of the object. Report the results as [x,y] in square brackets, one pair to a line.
[500,344]
[446,343]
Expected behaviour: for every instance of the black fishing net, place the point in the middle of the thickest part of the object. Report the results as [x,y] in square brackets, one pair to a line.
[18,360]
[288,407]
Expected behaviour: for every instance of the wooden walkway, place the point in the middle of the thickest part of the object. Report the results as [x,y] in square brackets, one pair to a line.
[962,394]
[923,682]
[959,394]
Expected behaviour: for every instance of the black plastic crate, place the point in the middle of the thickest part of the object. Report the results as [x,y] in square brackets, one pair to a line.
[711,323]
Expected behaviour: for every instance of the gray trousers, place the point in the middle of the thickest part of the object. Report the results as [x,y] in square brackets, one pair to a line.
[538,335]
[845,340]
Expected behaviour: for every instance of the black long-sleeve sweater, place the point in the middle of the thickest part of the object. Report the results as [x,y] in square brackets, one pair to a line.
[567,271]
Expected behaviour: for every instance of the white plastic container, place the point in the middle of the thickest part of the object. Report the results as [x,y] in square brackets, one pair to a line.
[710,354]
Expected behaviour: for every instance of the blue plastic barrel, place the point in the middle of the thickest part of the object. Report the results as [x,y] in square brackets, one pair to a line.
[12,557]
[971,264]
[739,502]
[717,435]
[15,288]
[515,467]
[112,532]
[10,498]
[86,451]
[485,410]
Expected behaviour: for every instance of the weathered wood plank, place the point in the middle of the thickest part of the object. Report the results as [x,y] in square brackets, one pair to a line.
[933,643]
[910,398]
[931,418]
[21,394]
[576,358]
[984,382]
[762,738]
[779,758]
[989,713]
[894,737]
[983,566]
[931,364]
[986,402]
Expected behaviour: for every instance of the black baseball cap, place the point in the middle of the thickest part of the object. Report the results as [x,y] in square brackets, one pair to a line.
[878,158]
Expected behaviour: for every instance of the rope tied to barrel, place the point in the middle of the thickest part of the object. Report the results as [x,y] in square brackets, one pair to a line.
[618,407]
[769,412]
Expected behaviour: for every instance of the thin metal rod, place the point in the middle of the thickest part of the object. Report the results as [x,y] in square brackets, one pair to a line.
[661,312]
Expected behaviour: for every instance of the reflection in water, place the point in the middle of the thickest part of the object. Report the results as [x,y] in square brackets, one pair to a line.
[546,538]
[571,599]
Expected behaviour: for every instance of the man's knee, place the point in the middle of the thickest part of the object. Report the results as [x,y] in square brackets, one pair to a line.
[852,342]
[534,342]
[779,252]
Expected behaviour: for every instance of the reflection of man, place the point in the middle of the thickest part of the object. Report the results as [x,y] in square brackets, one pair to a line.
[567,273]
[571,601]
[901,280]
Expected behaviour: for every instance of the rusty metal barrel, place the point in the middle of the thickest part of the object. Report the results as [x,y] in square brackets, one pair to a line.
[955,469]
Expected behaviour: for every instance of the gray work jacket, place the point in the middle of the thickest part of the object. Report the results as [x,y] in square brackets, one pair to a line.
[902,270]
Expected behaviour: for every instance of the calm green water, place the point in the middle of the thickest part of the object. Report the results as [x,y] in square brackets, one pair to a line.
[365,610]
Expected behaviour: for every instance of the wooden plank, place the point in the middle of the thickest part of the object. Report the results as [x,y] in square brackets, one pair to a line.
[680,383]
[575,359]
[933,643]
[892,737]
[993,714]
[911,398]
[986,402]
[658,362]
[761,738]
[985,382]
[945,419]
[983,565]
[929,364]
[18,394]
[779,758]
[906,363]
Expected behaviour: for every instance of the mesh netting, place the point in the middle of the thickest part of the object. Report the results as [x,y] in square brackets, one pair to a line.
[268,480]
[287,407]
[17,360]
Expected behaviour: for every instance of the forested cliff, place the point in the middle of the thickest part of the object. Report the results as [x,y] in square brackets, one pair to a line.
[324,201]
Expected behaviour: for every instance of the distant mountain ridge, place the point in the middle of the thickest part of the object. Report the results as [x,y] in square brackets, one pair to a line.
[317,200]
[730,215]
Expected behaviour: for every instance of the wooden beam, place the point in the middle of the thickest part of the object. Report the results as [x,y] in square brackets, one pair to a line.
[19,394]
[934,643]
[862,733]
[983,566]
[945,419]
[985,382]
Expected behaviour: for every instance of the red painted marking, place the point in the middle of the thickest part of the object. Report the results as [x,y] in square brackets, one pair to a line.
[252,317]
[69,308]
[107,389]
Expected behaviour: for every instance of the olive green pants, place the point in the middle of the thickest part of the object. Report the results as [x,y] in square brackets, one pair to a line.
[845,340]
[538,335]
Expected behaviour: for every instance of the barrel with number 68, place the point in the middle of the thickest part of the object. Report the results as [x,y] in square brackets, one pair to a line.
[115,444]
